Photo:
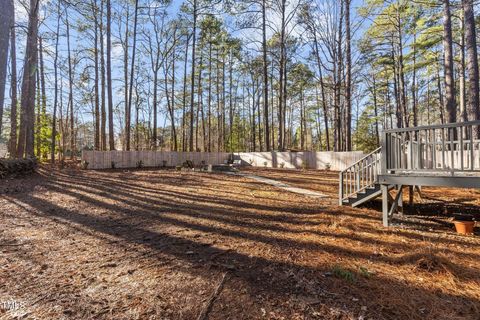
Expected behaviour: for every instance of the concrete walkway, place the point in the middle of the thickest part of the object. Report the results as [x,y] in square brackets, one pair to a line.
[281,185]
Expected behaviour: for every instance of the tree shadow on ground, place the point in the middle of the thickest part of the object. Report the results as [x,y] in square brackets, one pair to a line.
[143,217]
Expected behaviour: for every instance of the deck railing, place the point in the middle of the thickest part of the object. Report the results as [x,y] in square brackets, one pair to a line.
[359,176]
[450,148]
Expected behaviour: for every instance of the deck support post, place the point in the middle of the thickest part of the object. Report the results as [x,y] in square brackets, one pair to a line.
[385,195]
[397,203]
[419,191]
[410,195]
[400,200]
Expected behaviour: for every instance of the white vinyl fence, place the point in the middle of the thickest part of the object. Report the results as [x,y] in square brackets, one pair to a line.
[131,159]
[301,160]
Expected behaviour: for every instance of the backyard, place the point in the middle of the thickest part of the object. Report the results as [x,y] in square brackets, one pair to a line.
[166,244]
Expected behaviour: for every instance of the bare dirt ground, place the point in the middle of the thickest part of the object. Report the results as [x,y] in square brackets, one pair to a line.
[157,244]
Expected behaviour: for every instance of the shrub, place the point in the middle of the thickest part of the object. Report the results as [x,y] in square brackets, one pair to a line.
[282,165]
[188,164]
[364,272]
[112,164]
[140,164]
[342,273]
[85,164]
[164,163]
[265,164]
[17,166]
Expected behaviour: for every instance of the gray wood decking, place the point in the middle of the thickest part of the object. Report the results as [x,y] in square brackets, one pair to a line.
[440,156]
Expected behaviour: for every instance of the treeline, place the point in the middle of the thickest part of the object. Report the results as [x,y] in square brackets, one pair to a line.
[251,75]
[421,65]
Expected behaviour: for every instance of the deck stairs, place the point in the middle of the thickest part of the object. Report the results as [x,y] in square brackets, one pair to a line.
[359,181]
[446,155]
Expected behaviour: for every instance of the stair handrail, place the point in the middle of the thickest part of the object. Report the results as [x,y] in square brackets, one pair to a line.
[361,180]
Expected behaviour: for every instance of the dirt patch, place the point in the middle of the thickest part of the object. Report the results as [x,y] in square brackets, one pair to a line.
[158,244]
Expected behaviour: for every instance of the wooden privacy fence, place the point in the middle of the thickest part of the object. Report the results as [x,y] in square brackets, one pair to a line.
[3,150]
[131,159]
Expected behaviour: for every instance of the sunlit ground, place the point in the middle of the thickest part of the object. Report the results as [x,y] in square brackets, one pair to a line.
[157,244]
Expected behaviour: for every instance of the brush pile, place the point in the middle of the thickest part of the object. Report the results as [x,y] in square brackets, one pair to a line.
[17,167]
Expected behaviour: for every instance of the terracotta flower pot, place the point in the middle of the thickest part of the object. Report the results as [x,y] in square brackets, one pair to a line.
[464,227]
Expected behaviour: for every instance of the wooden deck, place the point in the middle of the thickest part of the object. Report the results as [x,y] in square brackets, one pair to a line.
[439,156]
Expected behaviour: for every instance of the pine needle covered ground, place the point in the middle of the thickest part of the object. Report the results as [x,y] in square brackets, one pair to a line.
[178,245]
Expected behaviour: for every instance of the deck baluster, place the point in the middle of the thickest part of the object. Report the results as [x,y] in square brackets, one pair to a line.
[443,149]
[461,150]
[434,149]
[471,162]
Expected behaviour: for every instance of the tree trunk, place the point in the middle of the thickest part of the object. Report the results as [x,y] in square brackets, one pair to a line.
[13,88]
[414,82]
[254,133]
[375,107]
[125,79]
[6,24]
[348,80]
[170,103]
[322,87]
[230,108]
[319,129]
[461,71]
[223,100]
[43,114]
[259,119]
[155,111]
[70,94]
[397,96]
[38,124]
[132,71]
[192,87]
[174,130]
[26,136]
[472,61]
[450,103]
[338,83]
[103,116]
[219,104]
[96,90]
[209,113]
[440,95]
[111,133]
[55,99]
[272,105]
[200,102]
[265,77]
[281,97]
[401,73]
[184,103]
